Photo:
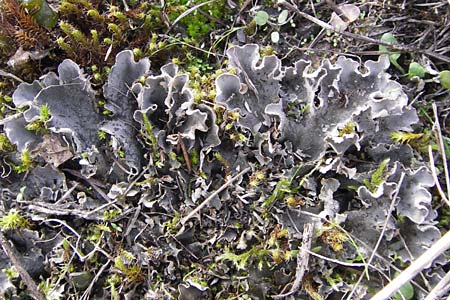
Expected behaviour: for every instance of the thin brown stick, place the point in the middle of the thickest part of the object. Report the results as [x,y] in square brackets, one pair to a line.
[185,153]
[23,273]
[302,261]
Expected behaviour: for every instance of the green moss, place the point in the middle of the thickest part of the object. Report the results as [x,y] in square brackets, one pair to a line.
[26,162]
[241,261]
[111,214]
[378,176]
[5,144]
[149,136]
[283,186]
[127,264]
[39,125]
[197,24]
[13,220]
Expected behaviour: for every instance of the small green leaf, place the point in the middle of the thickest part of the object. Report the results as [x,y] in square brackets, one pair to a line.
[416,69]
[261,18]
[444,77]
[275,36]
[406,292]
[393,56]
[282,17]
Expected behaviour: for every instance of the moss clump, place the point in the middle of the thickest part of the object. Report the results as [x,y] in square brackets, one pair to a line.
[200,21]
[13,220]
[26,162]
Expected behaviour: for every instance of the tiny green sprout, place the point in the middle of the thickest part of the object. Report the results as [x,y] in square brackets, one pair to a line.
[94,68]
[114,28]
[348,128]
[107,112]
[116,227]
[62,44]
[228,126]
[65,27]
[267,51]
[172,225]
[138,53]
[79,36]
[241,261]
[13,220]
[444,79]
[161,44]
[176,61]
[172,155]
[234,115]
[113,281]
[120,16]
[238,137]
[108,41]
[152,47]
[94,35]
[44,112]
[282,187]
[26,162]
[93,13]
[97,76]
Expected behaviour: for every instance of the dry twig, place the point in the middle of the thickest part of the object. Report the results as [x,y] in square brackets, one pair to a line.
[302,260]
[23,273]
[442,245]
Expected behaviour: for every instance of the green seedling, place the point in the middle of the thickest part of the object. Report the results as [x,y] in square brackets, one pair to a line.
[444,78]
[261,18]
[393,55]
[416,69]
[406,292]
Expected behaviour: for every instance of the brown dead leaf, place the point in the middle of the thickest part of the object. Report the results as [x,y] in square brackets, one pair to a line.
[53,151]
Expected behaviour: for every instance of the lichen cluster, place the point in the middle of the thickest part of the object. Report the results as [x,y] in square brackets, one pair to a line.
[318,142]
